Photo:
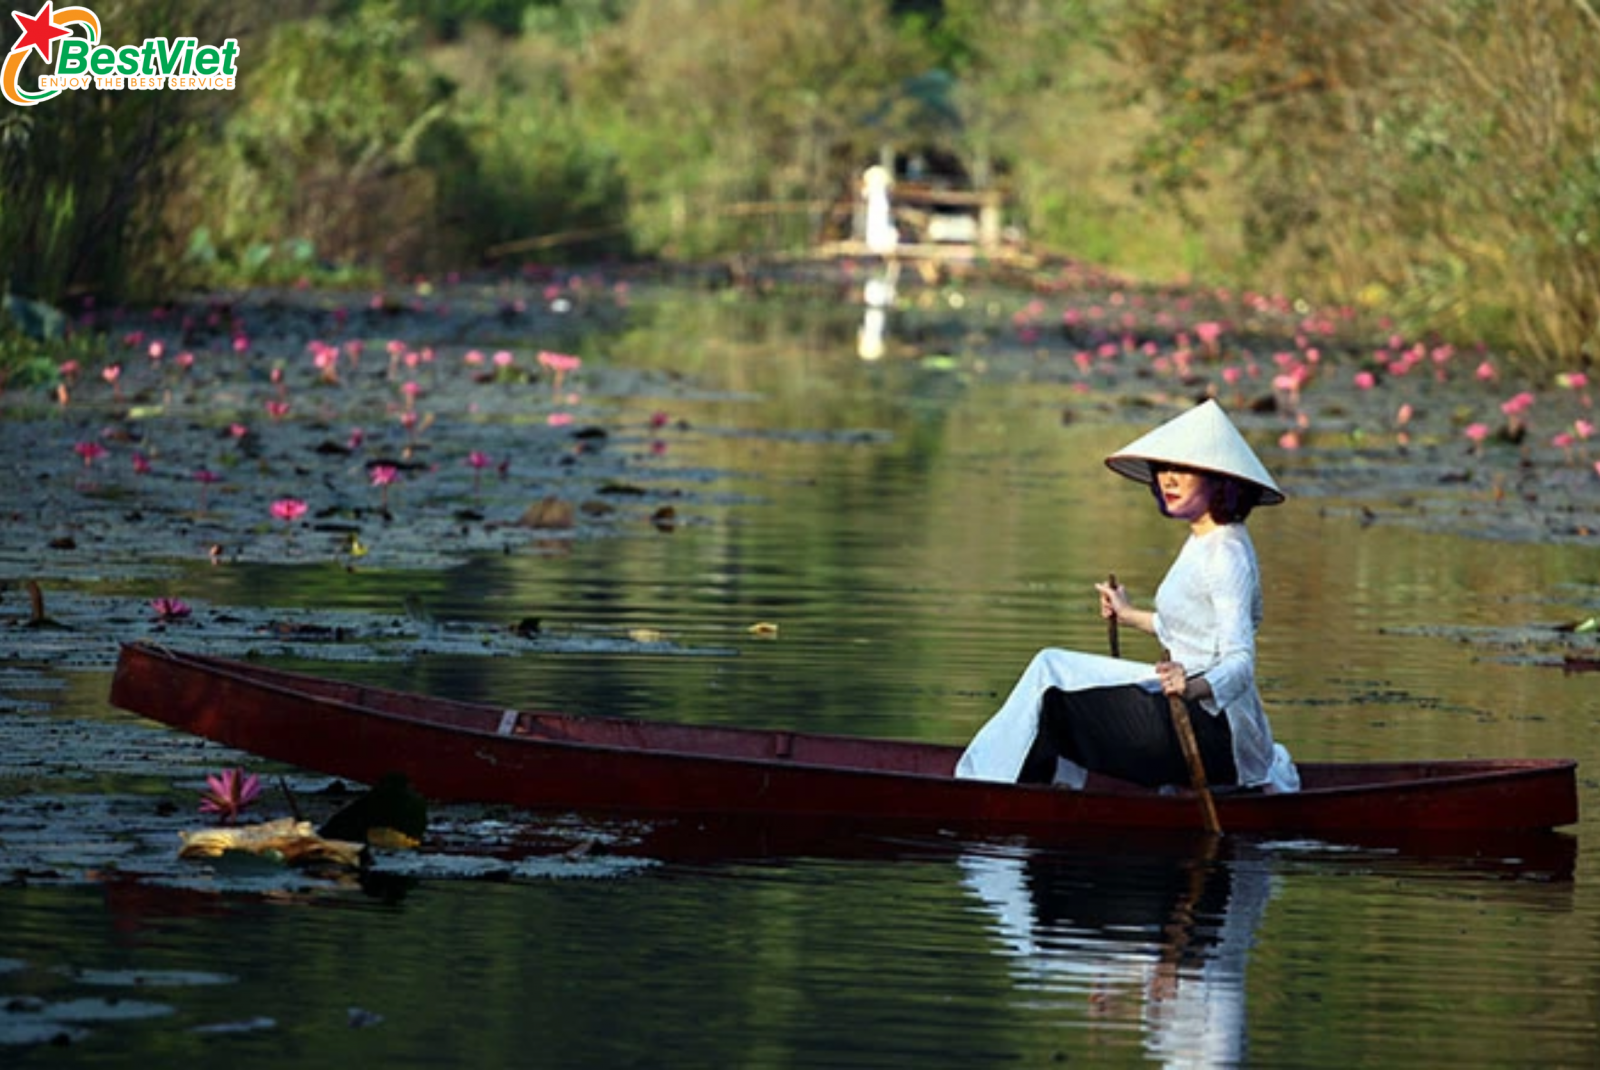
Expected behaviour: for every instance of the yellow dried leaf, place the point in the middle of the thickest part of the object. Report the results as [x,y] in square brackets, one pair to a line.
[294,841]
[764,630]
[391,838]
[646,635]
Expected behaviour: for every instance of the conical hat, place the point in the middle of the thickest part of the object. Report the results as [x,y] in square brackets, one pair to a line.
[1202,438]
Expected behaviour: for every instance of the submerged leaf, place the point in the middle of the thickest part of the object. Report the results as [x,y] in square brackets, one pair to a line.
[550,513]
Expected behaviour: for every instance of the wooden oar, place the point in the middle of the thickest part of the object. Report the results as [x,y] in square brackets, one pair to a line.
[1111,622]
[1185,730]
[1191,755]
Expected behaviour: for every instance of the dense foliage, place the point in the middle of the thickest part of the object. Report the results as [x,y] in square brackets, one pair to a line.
[1434,158]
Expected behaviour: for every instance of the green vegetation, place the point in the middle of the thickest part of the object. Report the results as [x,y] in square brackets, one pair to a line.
[1434,160]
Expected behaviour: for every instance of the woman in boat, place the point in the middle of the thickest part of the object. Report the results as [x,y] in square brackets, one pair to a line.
[1073,714]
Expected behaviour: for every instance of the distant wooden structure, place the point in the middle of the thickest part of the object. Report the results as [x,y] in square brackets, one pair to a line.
[935,223]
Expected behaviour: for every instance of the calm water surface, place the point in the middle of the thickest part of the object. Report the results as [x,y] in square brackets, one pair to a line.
[915,533]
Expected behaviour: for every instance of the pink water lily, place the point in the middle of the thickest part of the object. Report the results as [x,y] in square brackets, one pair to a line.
[382,477]
[170,608]
[228,793]
[559,364]
[288,510]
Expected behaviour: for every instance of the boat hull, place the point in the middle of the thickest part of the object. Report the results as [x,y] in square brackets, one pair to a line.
[466,752]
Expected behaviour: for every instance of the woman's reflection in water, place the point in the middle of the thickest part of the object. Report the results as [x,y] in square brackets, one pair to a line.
[1158,939]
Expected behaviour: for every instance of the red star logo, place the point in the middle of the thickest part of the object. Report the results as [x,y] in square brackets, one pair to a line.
[40,32]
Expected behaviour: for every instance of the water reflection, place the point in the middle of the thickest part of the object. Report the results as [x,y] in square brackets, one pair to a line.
[1152,940]
[877,295]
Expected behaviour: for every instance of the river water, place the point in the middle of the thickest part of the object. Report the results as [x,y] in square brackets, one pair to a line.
[914,530]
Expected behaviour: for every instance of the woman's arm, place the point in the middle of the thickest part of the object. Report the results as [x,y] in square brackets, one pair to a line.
[1114,604]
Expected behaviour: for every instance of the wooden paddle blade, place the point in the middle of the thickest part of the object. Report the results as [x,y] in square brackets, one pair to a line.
[1191,756]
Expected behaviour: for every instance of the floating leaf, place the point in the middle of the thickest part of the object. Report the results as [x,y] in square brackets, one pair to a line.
[764,630]
[646,635]
[285,838]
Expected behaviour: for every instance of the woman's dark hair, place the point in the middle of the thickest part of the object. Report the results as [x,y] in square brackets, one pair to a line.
[1231,499]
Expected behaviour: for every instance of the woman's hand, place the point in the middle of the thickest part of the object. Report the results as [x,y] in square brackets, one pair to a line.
[1113,601]
[1174,681]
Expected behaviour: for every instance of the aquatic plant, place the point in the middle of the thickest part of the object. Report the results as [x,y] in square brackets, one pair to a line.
[167,609]
[205,477]
[559,365]
[288,510]
[228,793]
[479,461]
[383,476]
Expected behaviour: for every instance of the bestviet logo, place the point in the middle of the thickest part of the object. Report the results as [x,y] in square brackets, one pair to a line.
[84,63]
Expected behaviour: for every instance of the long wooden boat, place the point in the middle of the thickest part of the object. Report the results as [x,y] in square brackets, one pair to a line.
[470,752]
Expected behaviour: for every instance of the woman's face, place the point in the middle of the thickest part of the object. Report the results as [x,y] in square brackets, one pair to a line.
[1185,494]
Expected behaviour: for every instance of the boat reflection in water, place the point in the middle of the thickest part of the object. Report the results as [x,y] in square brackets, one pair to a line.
[1159,937]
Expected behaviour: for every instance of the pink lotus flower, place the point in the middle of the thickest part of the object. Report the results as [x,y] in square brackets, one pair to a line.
[559,419]
[228,793]
[277,409]
[382,476]
[1582,428]
[1518,404]
[1208,333]
[170,608]
[288,510]
[90,451]
[559,364]
[1477,433]
[141,465]
[1485,372]
[1365,380]
[479,461]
